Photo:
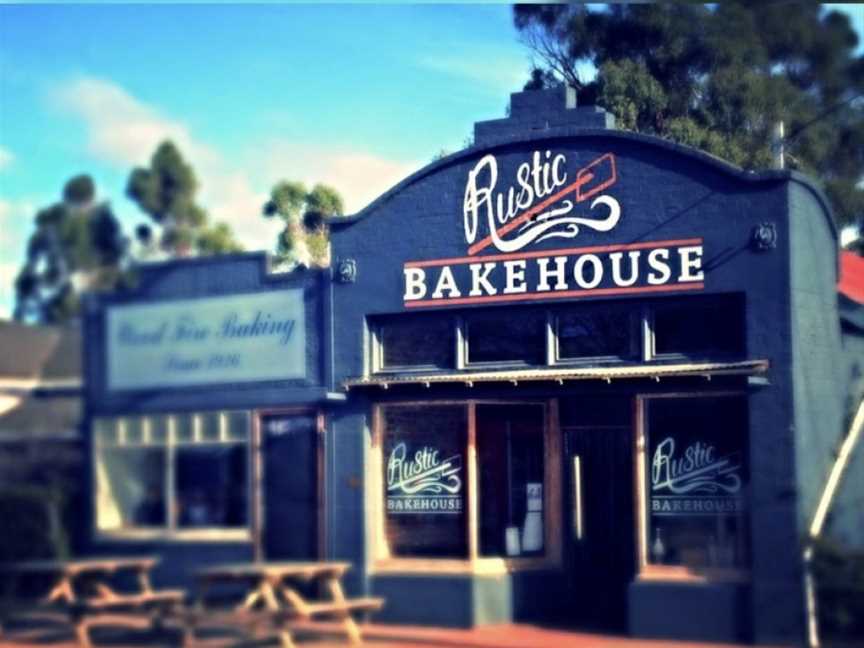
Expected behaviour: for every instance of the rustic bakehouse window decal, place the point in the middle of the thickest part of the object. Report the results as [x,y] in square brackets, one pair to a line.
[697,481]
[424,479]
[423,482]
[694,481]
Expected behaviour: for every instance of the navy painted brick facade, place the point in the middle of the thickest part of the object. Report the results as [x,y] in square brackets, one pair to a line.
[666,192]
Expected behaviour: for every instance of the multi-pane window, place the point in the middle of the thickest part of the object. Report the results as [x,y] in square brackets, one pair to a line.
[696,474]
[511,479]
[427,450]
[172,472]
[598,331]
[695,327]
[500,335]
[425,480]
[700,327]
[414,341]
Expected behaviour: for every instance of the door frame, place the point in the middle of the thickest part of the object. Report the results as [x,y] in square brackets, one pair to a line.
[569,513]
[258,476]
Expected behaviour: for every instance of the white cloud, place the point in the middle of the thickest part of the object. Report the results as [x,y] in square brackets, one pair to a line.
[124,131]
[16,221]
[8,272]
[120,128]
[6,158]
[500,74]
[359,177]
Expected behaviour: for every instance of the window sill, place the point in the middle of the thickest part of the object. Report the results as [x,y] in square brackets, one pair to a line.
[681,574]
[479,567]
[186,535]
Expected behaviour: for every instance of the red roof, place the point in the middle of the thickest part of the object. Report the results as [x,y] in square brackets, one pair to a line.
[851,281]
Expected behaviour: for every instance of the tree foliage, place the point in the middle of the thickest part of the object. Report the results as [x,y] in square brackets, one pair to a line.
[165,191]
[718,77]
[78,245]
[305,240]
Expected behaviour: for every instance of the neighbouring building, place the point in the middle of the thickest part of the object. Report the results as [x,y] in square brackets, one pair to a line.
[41,440]
[569,374]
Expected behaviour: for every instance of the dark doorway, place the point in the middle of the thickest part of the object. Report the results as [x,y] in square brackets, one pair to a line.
[290,457]
[600,550]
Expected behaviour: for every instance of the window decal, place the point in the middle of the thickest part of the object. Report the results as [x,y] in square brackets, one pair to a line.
[424,483]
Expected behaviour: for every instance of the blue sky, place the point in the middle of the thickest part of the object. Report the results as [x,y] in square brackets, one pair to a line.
[356,96]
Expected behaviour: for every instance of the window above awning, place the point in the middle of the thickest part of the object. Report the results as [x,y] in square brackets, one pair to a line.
[562,374]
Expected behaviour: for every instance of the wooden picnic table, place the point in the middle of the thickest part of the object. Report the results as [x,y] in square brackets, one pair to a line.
[272,589]
[82,588]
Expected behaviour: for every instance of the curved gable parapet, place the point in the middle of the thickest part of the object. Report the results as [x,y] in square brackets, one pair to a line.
[493,145]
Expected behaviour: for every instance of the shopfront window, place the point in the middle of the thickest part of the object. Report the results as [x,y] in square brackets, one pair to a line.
[502,336]
[601,331]
[708,326]
[425,480]
[511,476]
[432,506]
[171,473]
[696,474]
[415,341]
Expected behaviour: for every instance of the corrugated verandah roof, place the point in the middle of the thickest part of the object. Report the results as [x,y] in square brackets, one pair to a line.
[561,374]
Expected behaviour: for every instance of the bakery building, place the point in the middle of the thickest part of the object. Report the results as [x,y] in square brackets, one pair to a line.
[570,374]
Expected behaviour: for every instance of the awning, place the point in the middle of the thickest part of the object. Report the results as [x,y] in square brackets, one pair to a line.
[561,374]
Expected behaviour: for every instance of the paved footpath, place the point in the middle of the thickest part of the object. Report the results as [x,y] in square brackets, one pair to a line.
[376,635]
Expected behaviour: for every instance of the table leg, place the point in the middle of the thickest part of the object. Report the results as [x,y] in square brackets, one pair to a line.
[82,632]
[62,591]
[253,597]
[144,581]
[337,595]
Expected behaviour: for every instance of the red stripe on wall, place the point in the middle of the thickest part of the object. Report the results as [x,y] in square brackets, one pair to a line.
[596,292]
[550,253]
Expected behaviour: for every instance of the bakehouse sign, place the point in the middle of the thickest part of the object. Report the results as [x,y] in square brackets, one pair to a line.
[503,217]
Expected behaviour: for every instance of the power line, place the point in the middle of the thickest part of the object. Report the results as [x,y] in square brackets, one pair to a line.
[821,116]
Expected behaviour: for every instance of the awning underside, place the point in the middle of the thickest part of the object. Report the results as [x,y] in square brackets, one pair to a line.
[560,375]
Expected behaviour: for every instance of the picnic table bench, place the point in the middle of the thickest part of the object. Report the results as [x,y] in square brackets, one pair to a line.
[273,595]
[83,591]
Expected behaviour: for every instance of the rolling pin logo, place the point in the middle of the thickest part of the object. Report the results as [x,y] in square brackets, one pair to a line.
[540,205]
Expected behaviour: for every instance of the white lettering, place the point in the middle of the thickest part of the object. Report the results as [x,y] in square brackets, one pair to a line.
[515,273]
[446,282]
[478,279]
[691,259]
[579,271]
[616,268]
[658,260]
[415,284]
[557,273]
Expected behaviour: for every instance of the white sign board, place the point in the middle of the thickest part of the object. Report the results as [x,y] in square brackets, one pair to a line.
[239,338]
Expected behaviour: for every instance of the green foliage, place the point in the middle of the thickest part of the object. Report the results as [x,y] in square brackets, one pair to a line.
[165,191]
[635,97]
[839,576]
[217,239]
[306,237]
[78,245]
[80,190]
[718,77]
